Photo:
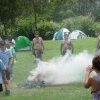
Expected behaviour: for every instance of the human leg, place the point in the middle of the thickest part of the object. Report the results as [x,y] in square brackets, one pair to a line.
[7,85]
[1,88]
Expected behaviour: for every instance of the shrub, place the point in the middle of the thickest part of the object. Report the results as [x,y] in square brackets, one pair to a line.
[96,27]
[83,23]
[24,26]
[47,29]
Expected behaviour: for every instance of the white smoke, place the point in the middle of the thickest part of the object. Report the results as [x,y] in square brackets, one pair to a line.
[61,70]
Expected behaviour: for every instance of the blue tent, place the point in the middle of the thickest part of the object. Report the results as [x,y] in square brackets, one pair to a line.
[60,34]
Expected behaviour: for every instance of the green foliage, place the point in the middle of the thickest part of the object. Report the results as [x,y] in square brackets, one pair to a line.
[47,29]
[24,26]
[87,26]
[22,17]
[96,27]
[65,9]
[84,23]
[10,9]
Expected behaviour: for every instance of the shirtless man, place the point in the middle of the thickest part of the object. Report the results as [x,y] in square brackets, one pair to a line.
[66,45]
[37,47]
[98,45]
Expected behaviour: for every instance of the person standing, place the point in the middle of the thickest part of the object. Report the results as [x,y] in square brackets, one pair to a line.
[2,75]
[66,45]
[6,58]
[10,47]
[93,82]
[37,47]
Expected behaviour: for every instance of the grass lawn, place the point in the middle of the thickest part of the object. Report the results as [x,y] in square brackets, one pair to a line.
[25,62]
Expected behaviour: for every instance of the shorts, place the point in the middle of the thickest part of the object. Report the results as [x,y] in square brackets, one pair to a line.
[64,52]
[38,53]
[1,88]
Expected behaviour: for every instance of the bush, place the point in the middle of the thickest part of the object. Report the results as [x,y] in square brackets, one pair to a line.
[47,29]
[24,27]
[83,23]
[96,27]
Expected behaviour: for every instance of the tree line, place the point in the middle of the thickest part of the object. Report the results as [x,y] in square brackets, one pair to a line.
[24,17]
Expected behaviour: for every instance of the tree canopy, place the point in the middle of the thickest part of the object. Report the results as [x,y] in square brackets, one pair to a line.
[33,12]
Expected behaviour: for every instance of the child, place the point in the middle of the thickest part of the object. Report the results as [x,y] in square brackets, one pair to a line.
[93,82]
[6,57]
[37,47]
[2,75]
[66,45]
[12,51]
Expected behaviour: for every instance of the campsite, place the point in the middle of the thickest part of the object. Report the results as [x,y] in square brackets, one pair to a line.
[76,34]
[49,49]
[25,63]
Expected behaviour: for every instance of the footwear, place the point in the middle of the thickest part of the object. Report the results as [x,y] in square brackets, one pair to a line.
[7,92]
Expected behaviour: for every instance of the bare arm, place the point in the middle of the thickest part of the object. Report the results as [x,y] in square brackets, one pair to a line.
[61,47]
[72,47]
[87,80]
[42,43]
[33,52]
[98,44]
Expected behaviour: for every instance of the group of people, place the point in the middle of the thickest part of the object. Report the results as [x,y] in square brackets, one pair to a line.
[38,49]
[38,46]
[66,47]
[94,81]
[7,56]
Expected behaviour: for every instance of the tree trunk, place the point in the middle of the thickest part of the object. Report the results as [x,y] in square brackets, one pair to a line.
[35,14]
[35,17]
[5,29]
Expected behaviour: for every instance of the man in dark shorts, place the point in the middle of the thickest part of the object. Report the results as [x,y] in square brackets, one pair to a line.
[37,47]
[66,45]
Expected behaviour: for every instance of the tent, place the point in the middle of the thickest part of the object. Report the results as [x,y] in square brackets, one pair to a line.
[77,34]
[60,34]
[22,42]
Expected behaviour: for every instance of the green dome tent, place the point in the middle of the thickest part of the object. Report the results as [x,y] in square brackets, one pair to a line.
[22,42]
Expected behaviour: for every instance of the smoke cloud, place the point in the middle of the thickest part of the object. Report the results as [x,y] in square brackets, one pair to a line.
[62,70]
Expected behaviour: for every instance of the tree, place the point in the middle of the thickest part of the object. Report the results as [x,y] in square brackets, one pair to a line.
[10,9]
[39,7]
[64,9]
[89,7]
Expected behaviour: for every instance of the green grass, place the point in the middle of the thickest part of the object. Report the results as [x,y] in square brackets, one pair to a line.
[25,62]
